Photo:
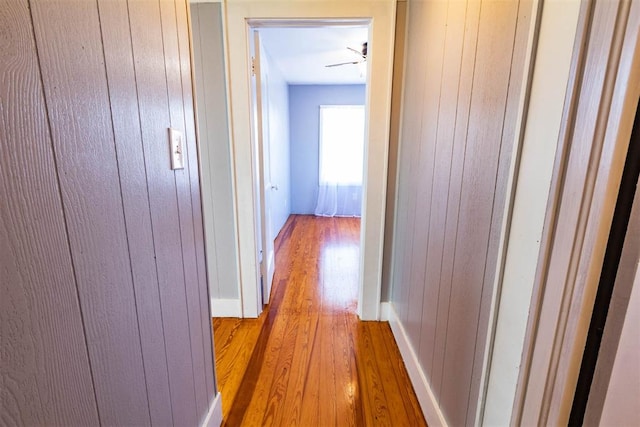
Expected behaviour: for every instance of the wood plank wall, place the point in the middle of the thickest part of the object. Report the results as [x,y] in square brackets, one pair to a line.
[104,304]
[463,78]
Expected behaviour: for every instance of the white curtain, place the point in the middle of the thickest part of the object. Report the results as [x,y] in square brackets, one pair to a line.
[339,200]
[341,160]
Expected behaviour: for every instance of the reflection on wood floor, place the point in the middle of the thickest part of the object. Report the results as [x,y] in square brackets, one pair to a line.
[308,360]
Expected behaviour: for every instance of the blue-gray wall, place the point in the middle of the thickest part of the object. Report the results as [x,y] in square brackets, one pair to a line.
[304,107]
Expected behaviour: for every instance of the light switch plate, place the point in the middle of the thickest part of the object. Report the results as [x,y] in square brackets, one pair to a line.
[176,145]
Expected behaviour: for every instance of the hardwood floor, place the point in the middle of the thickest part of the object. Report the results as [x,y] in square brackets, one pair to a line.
[308,360]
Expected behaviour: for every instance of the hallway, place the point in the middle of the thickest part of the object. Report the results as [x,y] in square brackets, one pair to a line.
[314,362]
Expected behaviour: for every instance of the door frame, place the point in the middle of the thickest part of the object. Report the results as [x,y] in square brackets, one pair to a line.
[599,111]
[261,145]
[240,17]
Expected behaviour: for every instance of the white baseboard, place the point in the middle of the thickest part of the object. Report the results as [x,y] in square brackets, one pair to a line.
[226,307]
[427,399]
[384,311]
[214,416]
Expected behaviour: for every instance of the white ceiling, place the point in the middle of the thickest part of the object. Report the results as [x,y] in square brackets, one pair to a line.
[301,54]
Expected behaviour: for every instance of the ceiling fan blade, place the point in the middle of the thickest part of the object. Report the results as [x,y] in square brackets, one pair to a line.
[342,63]
[356,51]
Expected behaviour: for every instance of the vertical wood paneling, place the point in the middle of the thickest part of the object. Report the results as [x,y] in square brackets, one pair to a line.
[151,79]
[435,19]
[205,345]
[486,117]
[104,303]
[465,87]
[185,205]
[411,116]
[511,127]
[427,300]
[75,86]
[460,107]
[45,375]
[114,19]
[442,171]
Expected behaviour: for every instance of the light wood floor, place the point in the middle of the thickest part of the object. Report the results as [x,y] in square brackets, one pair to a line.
[308,360]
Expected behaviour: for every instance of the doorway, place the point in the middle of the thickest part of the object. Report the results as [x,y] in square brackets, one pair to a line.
[308,120]
[241,18]
[321,69]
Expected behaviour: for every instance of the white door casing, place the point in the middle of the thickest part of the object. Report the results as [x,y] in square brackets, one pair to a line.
[260,99]
[241,17]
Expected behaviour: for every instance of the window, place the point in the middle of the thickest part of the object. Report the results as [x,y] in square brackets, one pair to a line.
[341,144]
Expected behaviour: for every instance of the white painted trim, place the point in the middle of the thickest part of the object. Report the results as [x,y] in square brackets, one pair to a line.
[426,397]
[385,309]
[232,156]
[214,416]
[221,307]
[240,15]
[509,312]
[595,138]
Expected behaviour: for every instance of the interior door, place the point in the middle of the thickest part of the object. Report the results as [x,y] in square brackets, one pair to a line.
[261,110]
